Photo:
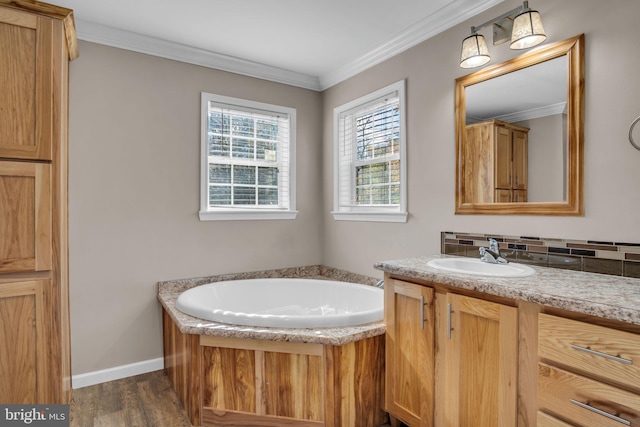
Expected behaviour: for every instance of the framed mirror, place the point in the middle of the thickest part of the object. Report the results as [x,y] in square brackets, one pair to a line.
[520,132]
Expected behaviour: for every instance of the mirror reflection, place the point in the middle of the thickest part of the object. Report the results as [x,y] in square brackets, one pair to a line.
[519,134]
[535,100]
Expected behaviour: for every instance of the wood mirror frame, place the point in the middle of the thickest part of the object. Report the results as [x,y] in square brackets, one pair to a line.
[573,49]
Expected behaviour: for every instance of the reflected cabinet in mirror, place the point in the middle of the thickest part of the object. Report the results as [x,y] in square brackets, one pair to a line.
[519,134]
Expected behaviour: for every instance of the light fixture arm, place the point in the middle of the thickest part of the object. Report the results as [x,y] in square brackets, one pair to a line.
[510,14]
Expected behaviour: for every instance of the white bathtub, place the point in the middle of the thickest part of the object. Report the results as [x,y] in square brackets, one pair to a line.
[289,303]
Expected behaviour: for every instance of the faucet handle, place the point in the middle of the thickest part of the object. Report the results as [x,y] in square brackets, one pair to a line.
[493,245]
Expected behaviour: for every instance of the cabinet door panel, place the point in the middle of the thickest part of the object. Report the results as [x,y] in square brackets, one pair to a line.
[25,217]
[520,156]
[21,335]
[294,386]
[26,108]
[503,158]
[409,352]
[481,363]
[479,158]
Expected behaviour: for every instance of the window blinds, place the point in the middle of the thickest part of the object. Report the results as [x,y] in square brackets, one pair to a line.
[248,158]
[369,157]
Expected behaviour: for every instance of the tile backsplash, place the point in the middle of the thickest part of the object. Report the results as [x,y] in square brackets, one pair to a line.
[614,258]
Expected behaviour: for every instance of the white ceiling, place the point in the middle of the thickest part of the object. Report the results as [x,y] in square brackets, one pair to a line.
[529,93]
[307,43]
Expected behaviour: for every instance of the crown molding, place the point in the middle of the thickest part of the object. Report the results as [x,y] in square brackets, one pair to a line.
[109,36]
[534,113]
[453,13]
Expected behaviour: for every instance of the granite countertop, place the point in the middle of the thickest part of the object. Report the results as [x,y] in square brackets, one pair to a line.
[600,295]
[169,291]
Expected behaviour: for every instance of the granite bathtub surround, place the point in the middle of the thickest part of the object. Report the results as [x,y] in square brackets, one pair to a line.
[605,296]
[613,258]
[168,292]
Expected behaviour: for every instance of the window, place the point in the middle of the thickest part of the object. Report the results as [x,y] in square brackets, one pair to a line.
[369,159]
[248,160]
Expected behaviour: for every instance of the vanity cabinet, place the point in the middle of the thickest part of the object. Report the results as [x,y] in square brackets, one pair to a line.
[520,352]
[409,374]
[495,162]
[451,360]
[588,374]
[37,41]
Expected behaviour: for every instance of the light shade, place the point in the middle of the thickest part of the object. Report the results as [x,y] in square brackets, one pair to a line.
[527,30]
[474,51]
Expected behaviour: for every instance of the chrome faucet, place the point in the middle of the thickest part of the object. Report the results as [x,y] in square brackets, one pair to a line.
[492,253]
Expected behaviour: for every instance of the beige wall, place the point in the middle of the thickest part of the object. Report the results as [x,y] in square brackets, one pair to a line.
[546,158]
[134,197]
[612,165]
[134,173]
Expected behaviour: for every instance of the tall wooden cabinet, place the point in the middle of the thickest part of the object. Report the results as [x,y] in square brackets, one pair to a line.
[495,159]
[37,41]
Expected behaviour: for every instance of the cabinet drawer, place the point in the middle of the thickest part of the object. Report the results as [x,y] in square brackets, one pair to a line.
[596,351]
[546,420]
[584,401]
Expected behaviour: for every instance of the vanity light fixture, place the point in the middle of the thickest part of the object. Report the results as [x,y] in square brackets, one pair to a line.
[474,51]
[521,26]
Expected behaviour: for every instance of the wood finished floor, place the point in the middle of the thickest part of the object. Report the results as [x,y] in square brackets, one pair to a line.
[146,400]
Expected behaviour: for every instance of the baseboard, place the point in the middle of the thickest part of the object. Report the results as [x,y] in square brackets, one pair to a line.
[116,373]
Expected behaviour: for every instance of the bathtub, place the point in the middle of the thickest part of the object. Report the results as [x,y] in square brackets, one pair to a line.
[284,302]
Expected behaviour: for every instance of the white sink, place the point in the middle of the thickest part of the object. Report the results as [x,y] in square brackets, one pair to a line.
[476,267]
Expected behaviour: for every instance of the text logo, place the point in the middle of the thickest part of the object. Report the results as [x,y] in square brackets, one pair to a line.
[34,415]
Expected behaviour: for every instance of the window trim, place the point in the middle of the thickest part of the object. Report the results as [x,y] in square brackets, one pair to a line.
[207,213]
[372,213]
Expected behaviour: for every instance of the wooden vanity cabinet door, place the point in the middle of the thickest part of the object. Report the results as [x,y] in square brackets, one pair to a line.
[409,371]
[25,217]
[481,363]
[22,334]
[26,85]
